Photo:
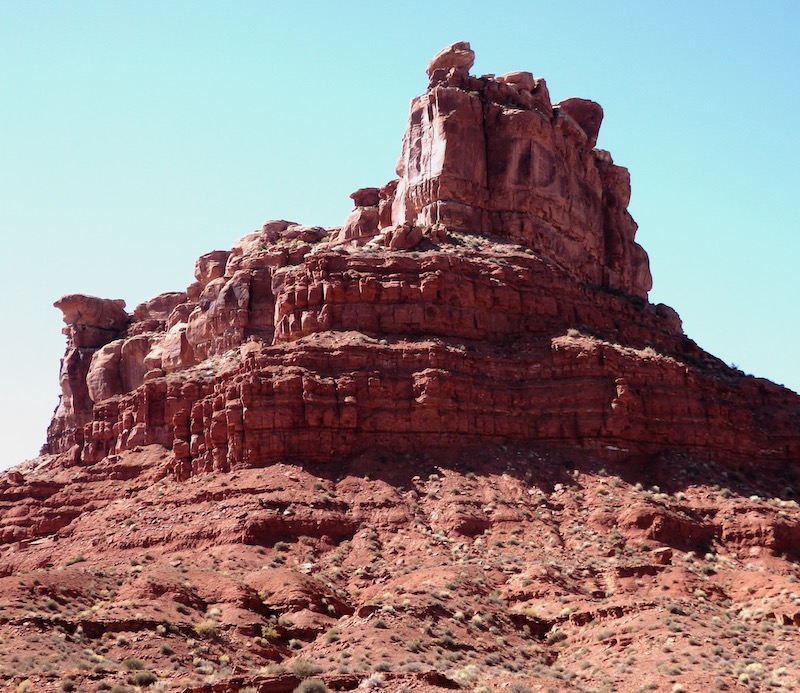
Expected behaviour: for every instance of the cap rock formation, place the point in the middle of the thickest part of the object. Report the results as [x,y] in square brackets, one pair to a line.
[339,429]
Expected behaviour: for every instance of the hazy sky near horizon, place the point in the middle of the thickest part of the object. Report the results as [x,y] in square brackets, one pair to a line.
[135,136]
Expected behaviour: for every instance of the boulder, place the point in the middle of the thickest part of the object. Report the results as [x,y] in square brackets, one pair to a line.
[588,114]
[91,311]
[210,266]
[366,197]
[457,56]
[103,379]
[519,79]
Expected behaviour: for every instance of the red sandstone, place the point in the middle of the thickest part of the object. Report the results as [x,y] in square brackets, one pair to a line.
[416,439]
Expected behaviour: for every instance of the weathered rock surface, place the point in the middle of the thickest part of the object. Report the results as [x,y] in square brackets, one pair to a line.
[494,156]
[306,351]
[457,57]
[451,438]
[486,566]
[91,324]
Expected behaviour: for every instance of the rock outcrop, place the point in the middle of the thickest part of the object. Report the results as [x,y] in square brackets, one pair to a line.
[92,323]
[455,423]
[493,155]
[458,303]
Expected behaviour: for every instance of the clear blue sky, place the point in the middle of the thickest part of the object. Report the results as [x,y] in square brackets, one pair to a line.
[135,136]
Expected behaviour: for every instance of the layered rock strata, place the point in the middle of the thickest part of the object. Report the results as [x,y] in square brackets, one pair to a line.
[493,155]
[449,444]
[493,292]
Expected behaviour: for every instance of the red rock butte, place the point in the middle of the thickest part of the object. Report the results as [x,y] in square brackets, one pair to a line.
[492,292]
[449,443]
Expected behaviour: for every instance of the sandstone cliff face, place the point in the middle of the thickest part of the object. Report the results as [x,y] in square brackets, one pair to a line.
[507,234]
[493,155]
[91,324]
[469,364]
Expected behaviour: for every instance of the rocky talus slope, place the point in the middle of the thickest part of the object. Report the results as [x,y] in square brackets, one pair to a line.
[448,444]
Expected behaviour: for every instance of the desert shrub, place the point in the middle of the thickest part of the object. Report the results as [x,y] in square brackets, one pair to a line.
[205,629]
[269,632]
[519,687]
[302,668]
[466,677]
[311,686]
[144,678]
[414,645]
[372,681]
[556,637]
[133,663]
[477,620]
